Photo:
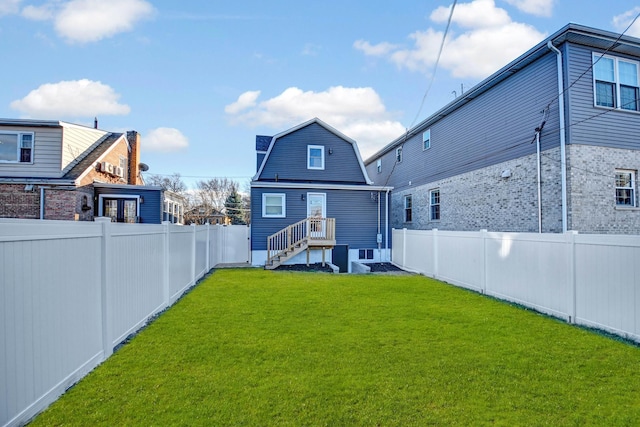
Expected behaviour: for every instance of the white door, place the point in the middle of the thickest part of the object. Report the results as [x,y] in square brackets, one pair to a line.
[317,208]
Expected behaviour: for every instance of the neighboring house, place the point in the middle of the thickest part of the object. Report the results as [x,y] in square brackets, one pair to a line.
[62,171]
[204,215]
[312,188]
[474,165]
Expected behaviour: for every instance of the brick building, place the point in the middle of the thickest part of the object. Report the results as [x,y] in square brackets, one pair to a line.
[59,171]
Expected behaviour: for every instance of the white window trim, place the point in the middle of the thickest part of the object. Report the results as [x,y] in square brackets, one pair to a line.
[379,165]
[431,218]
[616,75]
[283,198]
[312,147]
[101,198]
[632,188]
[428,131]
[404,212]
[19,146]
[399,155]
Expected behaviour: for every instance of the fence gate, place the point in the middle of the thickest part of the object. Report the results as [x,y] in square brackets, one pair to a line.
[237,244]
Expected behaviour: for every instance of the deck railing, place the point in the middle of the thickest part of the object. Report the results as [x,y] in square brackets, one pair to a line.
[307,231]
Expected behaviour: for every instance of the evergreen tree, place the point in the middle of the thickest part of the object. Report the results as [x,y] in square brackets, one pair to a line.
[234,207]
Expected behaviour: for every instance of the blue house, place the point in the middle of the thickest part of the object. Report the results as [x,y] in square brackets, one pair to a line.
[311,198]
[548,143]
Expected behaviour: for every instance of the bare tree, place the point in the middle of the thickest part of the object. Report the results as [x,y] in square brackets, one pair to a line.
[172,183]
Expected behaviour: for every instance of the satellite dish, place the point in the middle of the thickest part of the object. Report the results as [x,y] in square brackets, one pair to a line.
[143,167]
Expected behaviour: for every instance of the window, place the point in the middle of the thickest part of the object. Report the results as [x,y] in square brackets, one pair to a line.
[273,205]
[123,166]
[399,154]
[379,165]
[616,83]
[434,205]
[315,157]
[365,254]
[625,188]
[16,147]
[426,139]
[407,209]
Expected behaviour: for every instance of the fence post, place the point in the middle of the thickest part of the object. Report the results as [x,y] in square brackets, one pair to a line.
[404,247]
[194,242]
[483,285]
[571,276]
[435,253]
[166,293]
[107,342]
[208,249]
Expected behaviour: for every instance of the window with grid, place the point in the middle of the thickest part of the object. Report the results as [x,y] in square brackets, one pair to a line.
[16,147]
[273,205]
[315,157]
[625,188]
[399,154]
[426,139]
[408,214]
[434,205]
[616,83]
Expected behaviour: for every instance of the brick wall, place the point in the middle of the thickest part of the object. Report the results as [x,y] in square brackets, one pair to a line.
[483,199]
[591,182]
[15,202]
[113,157]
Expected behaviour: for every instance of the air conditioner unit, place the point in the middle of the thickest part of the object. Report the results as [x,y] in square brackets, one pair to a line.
[107,167]
[119,171]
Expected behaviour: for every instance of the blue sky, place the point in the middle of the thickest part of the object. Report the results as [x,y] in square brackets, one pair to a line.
[199,79]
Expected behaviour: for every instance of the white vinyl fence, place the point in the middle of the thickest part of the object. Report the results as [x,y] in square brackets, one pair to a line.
[592,280]
[71,291]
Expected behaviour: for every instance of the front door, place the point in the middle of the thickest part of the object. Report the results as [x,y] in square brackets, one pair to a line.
[317,208]
[120,210]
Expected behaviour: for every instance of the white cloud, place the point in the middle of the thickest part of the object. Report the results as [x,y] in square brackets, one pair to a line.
[83,21]
[356,112]
[477,14]
[622,21]
[490,39]
[75,98]
[164,140]
[39,13]
[246,100]
[534,7]
[379,49]
[8,7]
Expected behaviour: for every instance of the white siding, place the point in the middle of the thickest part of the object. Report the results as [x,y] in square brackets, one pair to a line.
[76,141]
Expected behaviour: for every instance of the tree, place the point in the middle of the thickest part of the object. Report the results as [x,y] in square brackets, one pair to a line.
[172,183]
[234,207]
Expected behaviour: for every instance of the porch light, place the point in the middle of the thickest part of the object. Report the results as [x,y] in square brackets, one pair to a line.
[302,197]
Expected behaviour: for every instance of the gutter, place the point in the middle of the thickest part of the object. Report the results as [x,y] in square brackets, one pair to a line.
[563,151]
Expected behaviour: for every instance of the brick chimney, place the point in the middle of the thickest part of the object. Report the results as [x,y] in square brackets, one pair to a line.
[134,157]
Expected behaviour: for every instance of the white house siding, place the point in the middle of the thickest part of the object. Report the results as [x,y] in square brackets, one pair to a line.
[47,154]
[76,141]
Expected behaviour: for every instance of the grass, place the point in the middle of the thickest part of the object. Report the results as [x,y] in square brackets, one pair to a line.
[257,348]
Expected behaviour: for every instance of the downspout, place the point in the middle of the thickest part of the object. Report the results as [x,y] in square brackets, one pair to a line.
[563,153]
[41,203]
[386,226]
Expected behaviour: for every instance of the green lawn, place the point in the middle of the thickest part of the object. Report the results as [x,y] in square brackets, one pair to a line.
[256,348]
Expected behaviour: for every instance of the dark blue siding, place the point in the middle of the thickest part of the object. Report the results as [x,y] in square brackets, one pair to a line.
[592,125]
[497,126]
[288,158]
[355,213]
[150,210]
